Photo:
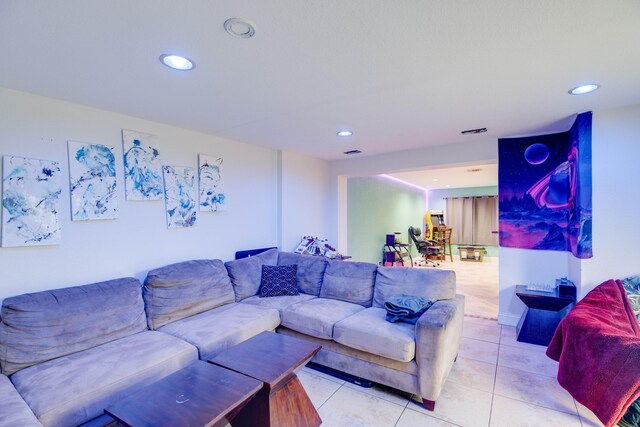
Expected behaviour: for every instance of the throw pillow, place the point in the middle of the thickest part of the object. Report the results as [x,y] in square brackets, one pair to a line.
[278,280]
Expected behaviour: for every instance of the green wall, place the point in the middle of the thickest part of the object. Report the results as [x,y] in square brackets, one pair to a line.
[437,202]
[378,206]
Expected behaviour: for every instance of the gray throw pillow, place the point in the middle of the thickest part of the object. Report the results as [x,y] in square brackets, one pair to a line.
[246,273]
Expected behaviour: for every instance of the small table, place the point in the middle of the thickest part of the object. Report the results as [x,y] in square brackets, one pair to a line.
[400,251]
[199,395]
[273,359]
[542,315]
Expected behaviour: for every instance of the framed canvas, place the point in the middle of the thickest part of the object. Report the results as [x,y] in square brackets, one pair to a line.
[212,196]
[142,167]
[179,196]
[31,193]
[92,176]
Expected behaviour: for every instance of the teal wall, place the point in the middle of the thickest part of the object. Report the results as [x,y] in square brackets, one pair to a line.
[378,206]
[437,202]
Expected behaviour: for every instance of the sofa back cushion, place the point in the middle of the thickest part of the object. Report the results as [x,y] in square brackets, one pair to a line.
[184,289]
[45,325]
[349,281]
[246,273]
[310,271]
[431,284]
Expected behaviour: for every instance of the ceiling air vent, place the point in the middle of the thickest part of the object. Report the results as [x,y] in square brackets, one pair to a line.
[352,152]
[472,131]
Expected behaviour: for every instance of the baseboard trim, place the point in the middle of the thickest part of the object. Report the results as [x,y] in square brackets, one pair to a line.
[508,319]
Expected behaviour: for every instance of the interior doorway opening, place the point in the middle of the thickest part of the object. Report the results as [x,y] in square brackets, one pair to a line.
[391,203]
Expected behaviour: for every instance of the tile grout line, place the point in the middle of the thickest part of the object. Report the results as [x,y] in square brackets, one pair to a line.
[329,398]
[495,378]
[401,414]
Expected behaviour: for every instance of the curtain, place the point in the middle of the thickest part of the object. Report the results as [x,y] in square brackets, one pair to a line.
[460,219]
[485,221]
[473,220]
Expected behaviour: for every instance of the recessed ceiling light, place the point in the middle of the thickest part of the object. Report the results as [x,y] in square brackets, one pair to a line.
[238,27]
[435,180]
[177,62]
[581,90]
[447,186]
[344,133]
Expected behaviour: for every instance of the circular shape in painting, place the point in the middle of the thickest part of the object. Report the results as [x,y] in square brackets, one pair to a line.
[536,153]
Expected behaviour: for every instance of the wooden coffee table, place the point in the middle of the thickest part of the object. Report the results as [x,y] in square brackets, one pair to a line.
[201,394]
[273,359]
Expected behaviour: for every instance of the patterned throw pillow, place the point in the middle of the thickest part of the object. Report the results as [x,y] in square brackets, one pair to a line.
[279,280]
[632,287]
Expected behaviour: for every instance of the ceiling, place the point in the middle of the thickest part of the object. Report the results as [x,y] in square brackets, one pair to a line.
[484,175]
[400,74]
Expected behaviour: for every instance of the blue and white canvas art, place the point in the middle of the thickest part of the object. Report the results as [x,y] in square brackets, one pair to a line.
[180,196]
[31,191]
[212,195]
[142,167]
[92,176]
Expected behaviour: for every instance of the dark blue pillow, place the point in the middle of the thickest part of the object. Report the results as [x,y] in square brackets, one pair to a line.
[279,280]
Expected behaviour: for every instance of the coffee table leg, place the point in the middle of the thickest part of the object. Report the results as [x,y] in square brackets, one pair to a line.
[288,405]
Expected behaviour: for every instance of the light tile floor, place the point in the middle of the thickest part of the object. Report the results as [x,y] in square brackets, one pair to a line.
[496,381]
[478,282]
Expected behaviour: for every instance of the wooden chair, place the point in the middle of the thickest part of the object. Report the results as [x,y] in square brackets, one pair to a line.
[442,235]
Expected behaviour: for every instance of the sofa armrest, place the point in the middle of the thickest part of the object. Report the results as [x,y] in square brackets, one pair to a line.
[438,335]
[13,409]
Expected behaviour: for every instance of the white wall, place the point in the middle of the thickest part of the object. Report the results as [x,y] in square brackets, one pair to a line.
[304,194]
[616,197]
[138,240]
[524,266]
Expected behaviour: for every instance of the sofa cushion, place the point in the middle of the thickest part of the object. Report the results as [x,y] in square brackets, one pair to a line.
[349,281]
[44,325]
[246,273]
[216,330]
[316,317]
[76,388]
[369,331]
[278,280]
[310,270]
[13,409]
[429,283]
[279,303]
[186,288]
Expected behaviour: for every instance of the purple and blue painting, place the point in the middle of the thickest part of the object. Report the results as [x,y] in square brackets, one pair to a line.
[545,190]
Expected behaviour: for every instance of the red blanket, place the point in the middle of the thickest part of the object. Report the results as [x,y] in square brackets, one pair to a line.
[598,347]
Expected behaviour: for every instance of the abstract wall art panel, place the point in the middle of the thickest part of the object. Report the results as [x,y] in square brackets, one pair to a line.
[92,175]
[545,190]
[180,196]
[212,195]
[142,167]
[31,191]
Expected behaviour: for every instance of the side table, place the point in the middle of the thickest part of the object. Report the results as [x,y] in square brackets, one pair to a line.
[542,315]
[400,252]
[274,360]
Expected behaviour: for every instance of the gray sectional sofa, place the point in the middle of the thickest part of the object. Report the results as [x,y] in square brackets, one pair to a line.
[66,354]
